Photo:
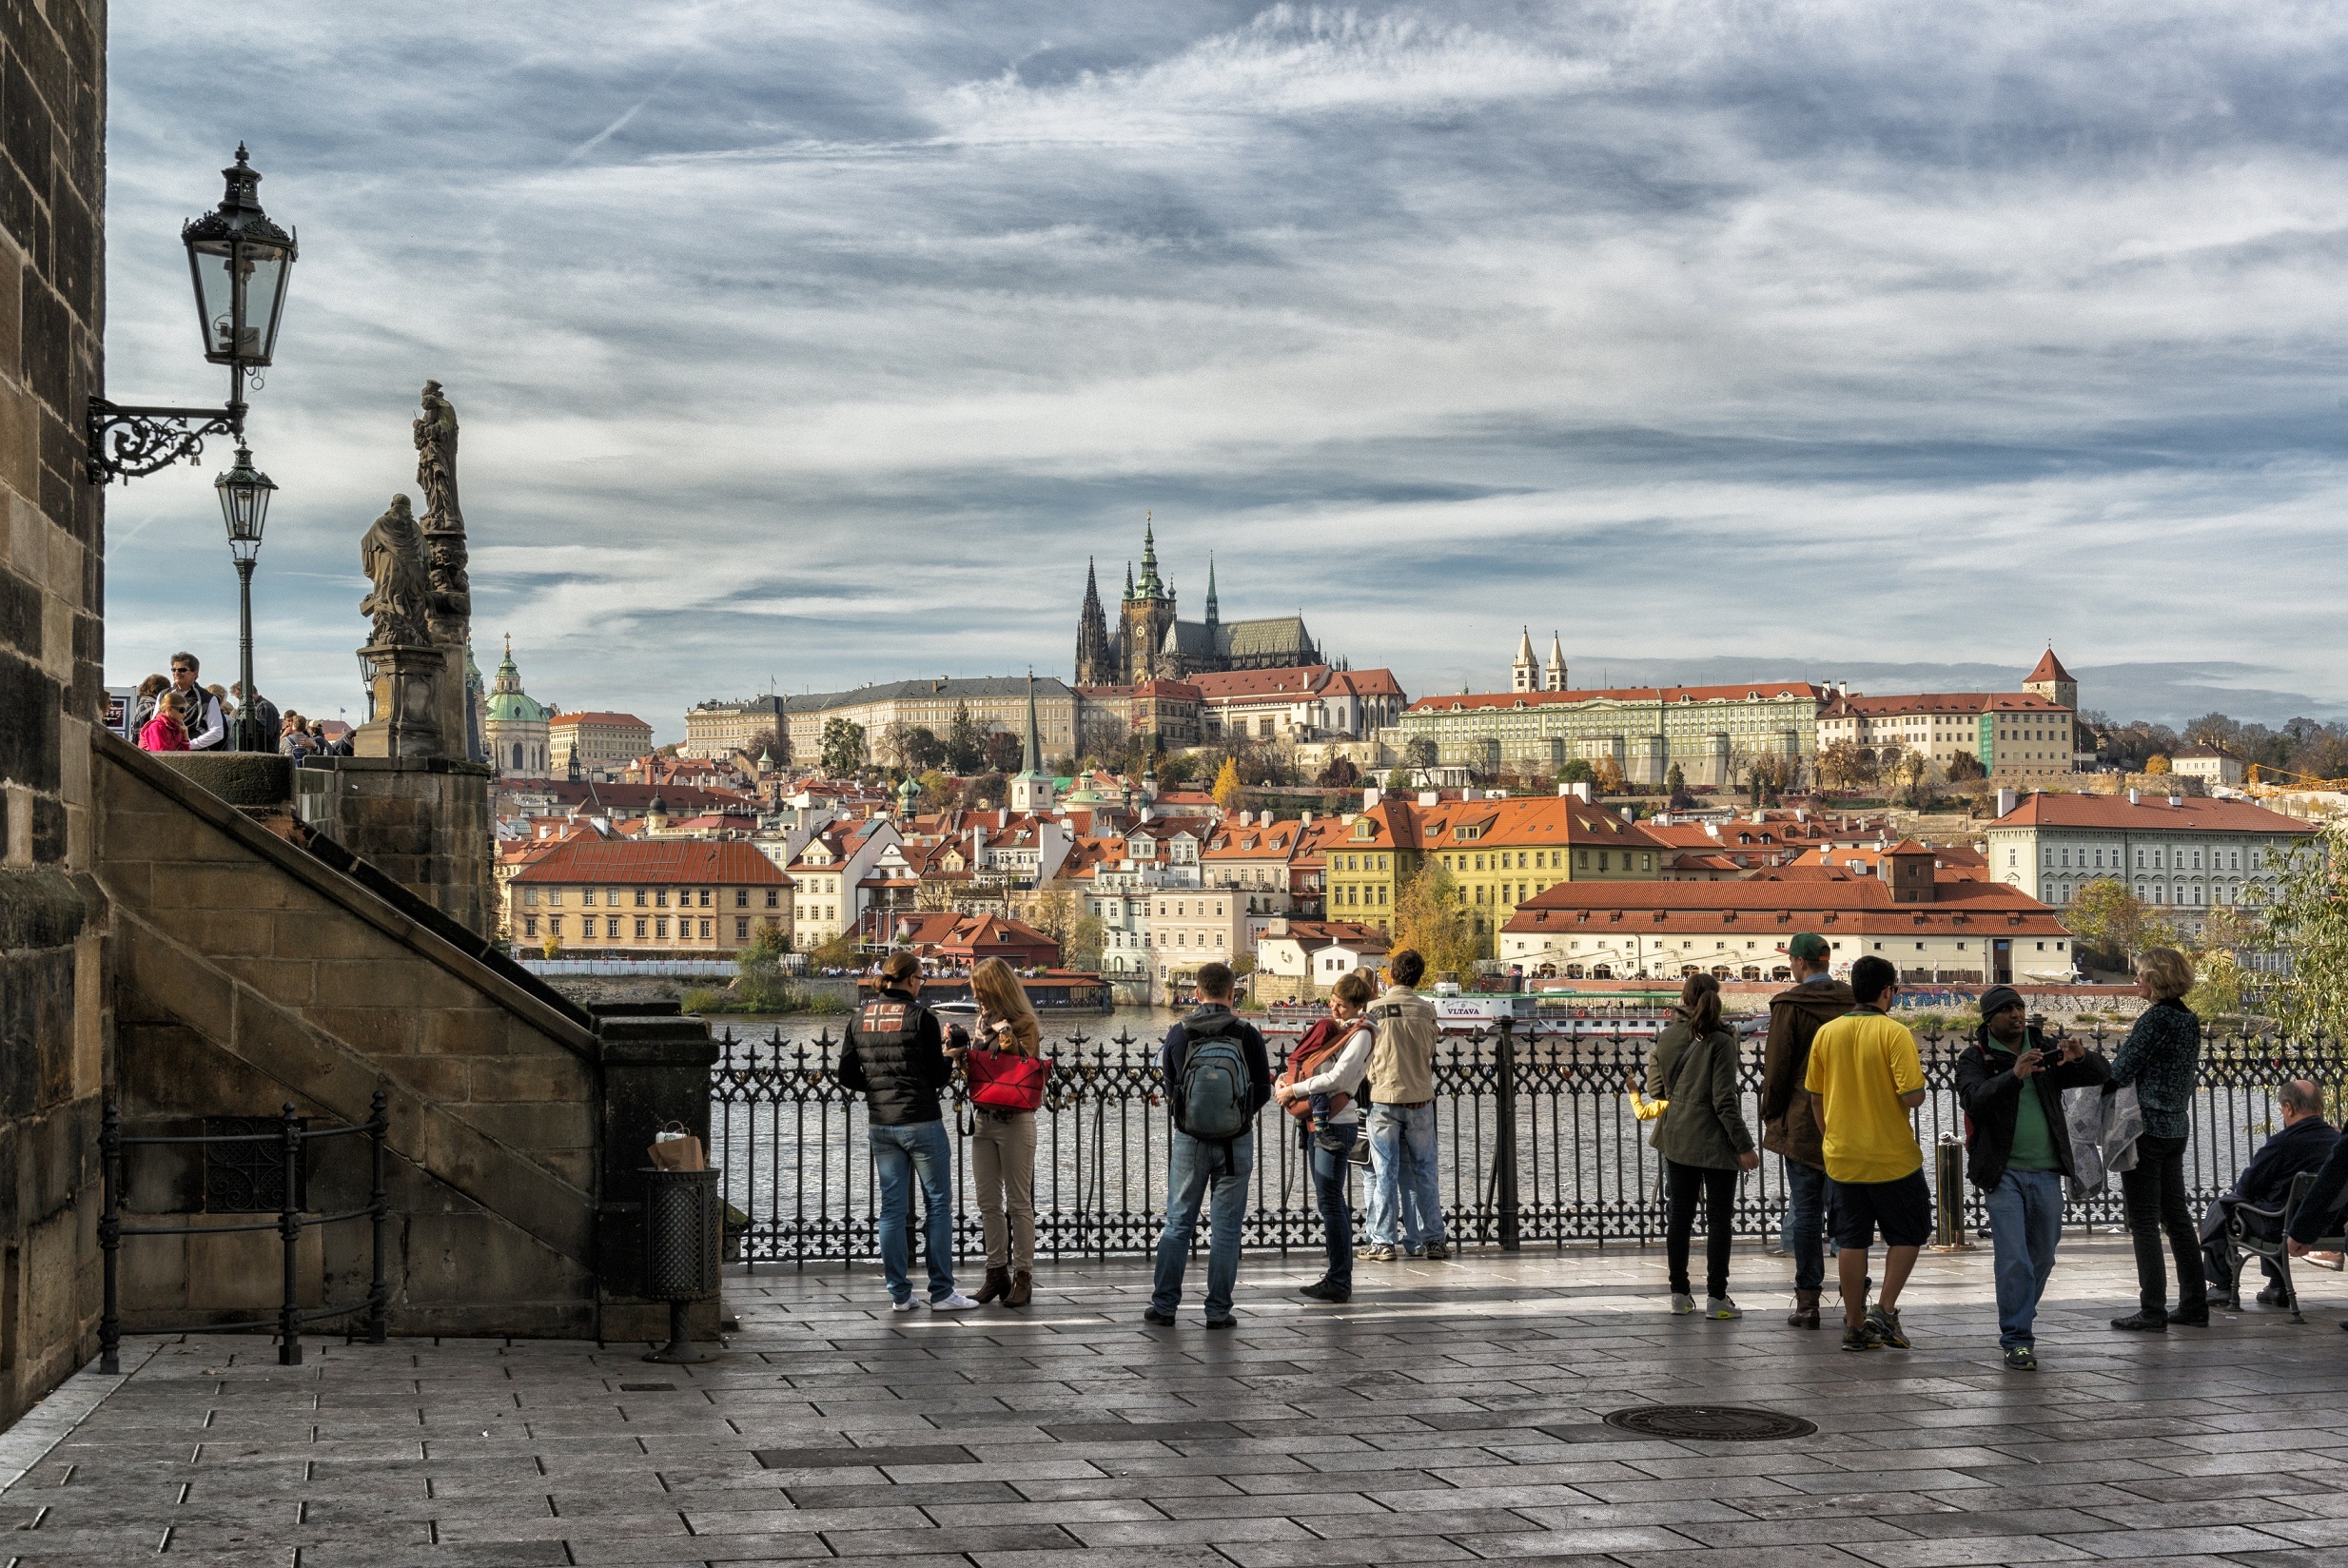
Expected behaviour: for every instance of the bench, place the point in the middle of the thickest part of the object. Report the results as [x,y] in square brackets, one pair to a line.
[2240,1240]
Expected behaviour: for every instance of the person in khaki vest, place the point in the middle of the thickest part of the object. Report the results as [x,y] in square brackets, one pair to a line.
[1405,1195]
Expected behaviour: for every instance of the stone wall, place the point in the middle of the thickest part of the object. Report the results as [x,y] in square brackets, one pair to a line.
[52,952]
[424,822]
[253,974]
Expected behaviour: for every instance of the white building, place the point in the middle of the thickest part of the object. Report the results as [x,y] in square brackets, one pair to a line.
[826,875]
[2207,764]
[1322,951]
[2183,855]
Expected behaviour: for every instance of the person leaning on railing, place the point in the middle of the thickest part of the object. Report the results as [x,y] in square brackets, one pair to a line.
[1003,1140]
[2162,1057]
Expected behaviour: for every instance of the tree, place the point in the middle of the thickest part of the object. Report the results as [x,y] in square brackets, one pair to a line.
[1577,771]
[2112,922]
[843,748]
[1676,780]
[1964,768]
[1906,770]
[1610,779]
[838,953]
[1420,753]
[1431,914]
[759,985]
[1340,775]
[1059,914]
[1838,765]
[962,741]
[1003,751]
[1398,781]
[938,793]
[772,742]
[2156,764]
[1227,789]
[2306,918]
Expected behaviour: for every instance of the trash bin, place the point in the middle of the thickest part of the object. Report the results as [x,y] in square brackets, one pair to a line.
[684,1244]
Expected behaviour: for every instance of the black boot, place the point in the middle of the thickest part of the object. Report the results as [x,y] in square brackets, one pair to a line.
[998,1281]
[2154,1322]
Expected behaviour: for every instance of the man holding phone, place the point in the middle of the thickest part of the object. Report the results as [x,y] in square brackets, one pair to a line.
[2018,1149]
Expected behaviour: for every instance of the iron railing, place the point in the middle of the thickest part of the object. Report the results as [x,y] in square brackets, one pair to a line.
[1539,1143]
[286,1181]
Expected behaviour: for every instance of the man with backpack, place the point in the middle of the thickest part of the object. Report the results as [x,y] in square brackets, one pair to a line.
[1217,1077]
[1405,1197]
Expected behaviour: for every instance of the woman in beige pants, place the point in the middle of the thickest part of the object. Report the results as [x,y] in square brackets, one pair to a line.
[1003,1141]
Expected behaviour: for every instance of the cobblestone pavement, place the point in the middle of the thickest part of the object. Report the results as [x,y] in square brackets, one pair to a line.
[1449,1414]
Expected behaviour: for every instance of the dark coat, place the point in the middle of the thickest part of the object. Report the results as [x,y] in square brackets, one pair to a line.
[1991,1096]
[2319,1212]
[1211,1019]
[1789,1123]
[899,1072]
[2266,1182]
[1702,1124]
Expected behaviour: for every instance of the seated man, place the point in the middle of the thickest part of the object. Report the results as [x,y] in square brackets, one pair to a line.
[2303,1143]
[2319,1211]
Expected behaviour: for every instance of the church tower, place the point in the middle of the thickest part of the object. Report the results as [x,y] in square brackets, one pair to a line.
[1213,616]
[2049,679]
[1095,665]
[1030,788]
[1522,670]
[1148,614]
[1552,678]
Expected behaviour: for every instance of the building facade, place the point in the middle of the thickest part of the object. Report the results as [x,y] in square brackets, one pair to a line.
[720,729]
[592,896]
[596,741]
[1165,711]
[2182,854]
[996,703]
[516,728]
[1708,732]
[2208,764]
[2030,736]
[1308,704]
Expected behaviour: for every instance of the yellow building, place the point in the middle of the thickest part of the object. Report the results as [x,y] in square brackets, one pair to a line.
[596,741]
[667,899]
[1500,852]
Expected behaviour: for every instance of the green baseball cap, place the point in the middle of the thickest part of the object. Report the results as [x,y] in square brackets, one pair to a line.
[1809,946]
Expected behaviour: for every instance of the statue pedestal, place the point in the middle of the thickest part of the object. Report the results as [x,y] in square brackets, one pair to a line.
[424,822]
[406,698]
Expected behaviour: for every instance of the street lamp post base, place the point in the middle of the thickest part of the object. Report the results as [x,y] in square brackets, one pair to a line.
[680,1350]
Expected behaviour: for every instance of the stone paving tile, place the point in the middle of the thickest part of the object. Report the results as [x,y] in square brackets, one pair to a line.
[1450,1414]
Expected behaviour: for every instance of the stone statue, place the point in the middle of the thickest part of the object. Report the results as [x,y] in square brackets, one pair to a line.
[442,524]
[392,554]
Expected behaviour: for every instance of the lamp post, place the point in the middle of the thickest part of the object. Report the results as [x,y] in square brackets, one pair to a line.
[245,493]
[239,263]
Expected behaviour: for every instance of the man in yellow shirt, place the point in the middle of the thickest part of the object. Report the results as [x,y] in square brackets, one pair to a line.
[1864,1079]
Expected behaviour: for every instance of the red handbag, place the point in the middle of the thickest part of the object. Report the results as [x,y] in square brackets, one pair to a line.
[1002,1080]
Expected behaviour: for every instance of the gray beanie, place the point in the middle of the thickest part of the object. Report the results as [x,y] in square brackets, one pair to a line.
[1997,999]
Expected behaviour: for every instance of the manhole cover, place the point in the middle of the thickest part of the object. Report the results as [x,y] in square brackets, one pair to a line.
[1709,1422]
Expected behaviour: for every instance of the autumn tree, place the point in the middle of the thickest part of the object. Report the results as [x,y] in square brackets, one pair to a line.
[843,748]
[963,753]
[2306,921]
[2112,922]
[1227,789]
[2156,763]
[1431,914]
[1608,774]
[1340,775]
[1059,912]
[1964,768]
[1003,751]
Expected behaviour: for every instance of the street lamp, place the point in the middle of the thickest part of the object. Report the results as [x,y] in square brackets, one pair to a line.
[239,263]
[245,493]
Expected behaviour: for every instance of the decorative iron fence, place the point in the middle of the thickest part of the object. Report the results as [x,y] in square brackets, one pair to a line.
[1538,1144]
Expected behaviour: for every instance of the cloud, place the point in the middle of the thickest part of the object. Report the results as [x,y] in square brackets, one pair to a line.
[1823,333]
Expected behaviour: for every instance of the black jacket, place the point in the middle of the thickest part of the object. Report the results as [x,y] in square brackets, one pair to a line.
[1210,1020]
[2266,1182]
[2318,1216]
[1991,1096]
[894,1055]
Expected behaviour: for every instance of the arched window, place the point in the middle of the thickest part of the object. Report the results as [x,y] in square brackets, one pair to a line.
[518,756]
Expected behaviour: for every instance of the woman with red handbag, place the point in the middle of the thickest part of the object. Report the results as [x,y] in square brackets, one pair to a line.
[1318,1087]
[1005,1070]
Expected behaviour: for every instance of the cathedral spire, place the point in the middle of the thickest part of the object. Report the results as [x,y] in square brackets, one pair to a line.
[1212,614]
[1149,586]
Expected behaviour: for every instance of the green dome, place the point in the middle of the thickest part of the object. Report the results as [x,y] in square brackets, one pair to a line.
[516,707]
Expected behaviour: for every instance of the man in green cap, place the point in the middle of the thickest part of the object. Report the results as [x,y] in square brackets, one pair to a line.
[1789,1126]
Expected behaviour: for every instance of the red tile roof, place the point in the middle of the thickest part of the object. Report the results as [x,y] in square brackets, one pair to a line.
[1771,902]
[1940,702]
[2048,668]
[692,860]
[2188,814]
[599,718]
[1762,689]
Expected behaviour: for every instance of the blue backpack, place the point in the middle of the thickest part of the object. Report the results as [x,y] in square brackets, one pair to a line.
[1211,1102]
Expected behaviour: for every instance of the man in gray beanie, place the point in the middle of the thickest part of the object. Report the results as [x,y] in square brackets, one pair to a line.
[2010,1081]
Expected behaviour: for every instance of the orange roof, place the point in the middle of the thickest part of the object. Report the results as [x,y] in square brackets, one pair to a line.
[560,720]
[1297,681]
[1940,702]
[1773,904]
[2186,813]
[694,860]
[1310,935]
[1366,682]
[1757,690]
[2048,668]
[1528,820]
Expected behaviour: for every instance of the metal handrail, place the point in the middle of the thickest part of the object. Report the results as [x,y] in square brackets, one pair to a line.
[292,1138]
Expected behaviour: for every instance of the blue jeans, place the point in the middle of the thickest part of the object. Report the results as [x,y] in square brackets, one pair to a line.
[1404,1193]
[899,1153]
[1329,1168]
[1805,1216]
[1194,1167]
[2026,1221]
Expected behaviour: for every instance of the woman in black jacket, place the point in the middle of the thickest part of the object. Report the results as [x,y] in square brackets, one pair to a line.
[2018,1150]
[1703,1139]
[2162,1056]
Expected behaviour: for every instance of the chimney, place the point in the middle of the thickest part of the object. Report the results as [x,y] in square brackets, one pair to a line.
[2136,798]
[1630,814]
[1305,820]
[2176,800]
[1430,798]
[1713,829]
[1574,792]
[1371,795]
[2006,800]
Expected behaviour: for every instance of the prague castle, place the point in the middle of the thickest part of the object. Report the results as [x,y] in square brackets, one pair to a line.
[1151,643]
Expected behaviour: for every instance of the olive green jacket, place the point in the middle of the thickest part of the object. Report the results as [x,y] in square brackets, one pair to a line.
[1704,1124]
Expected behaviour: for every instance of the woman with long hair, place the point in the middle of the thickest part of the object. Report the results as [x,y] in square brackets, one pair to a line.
[166,731]
[1325,1072]
[2162,1056]
[1002,1141]
[1703,1139]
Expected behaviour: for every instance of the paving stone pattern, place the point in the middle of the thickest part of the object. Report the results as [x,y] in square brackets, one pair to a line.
[1451,1413]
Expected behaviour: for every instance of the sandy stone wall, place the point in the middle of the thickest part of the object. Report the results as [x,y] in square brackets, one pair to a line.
[52,955]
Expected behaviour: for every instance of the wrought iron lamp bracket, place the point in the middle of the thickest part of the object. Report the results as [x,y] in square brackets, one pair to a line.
[129,442]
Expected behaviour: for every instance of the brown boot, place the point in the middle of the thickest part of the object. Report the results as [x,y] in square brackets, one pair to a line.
[1022,1290]
[998,1281]
[1804,1313]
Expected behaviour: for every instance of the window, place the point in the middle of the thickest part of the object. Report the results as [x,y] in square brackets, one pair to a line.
[530,925]
[639,928]
[660,900]
[611,928]
[705,931]
[554,925]
[705,898]
[530,898]
[741,898]
[587,896]
[662,932]
[610,897]
[641,900]
[554,896]
[774,898]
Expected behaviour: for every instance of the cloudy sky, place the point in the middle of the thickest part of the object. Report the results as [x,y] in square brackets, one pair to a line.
[823,343]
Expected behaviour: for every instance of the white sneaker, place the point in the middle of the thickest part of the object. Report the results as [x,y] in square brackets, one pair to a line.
[1722,1309]
[906,1306]
[955,1303]
[1682,1305]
